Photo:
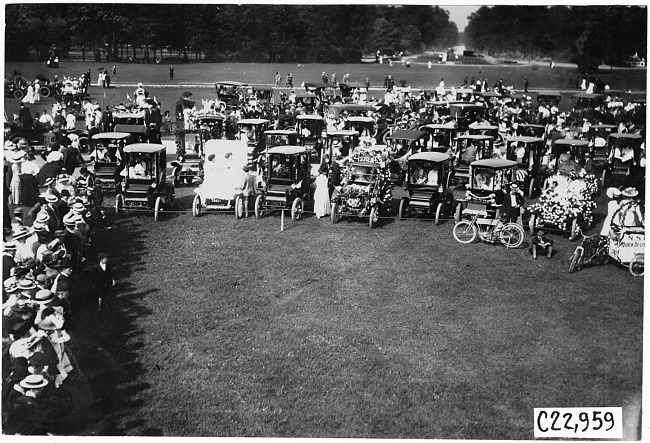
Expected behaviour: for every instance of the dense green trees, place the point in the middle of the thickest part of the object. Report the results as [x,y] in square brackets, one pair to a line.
[316,33]
[585,35]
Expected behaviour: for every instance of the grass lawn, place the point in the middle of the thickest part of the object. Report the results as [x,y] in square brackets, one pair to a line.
[233,328]
[225,327]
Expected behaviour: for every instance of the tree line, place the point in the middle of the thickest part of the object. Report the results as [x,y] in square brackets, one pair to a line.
[222,33]
[586,35]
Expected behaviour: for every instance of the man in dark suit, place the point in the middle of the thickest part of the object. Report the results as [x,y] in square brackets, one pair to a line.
[103,280]
[512,203]
[8,261]
[25,117]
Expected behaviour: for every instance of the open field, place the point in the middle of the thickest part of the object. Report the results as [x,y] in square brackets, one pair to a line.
[225,327]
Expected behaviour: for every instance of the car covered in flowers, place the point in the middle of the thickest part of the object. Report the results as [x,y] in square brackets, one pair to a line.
[366,189]
[566,204]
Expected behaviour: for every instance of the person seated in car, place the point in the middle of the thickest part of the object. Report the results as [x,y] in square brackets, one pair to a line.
[470,154]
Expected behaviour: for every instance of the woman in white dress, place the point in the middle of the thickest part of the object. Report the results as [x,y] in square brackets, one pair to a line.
[29,96]
[37,91]
[321,193]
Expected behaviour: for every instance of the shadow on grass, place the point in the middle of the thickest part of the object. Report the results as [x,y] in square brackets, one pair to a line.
[106,344]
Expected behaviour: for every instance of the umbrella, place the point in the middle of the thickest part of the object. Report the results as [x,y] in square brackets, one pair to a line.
[101,69]
[186,94]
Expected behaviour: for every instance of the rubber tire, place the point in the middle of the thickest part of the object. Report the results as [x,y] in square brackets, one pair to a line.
[403,207]
[334,216]
[259,212]
[374,216]
[196,205]
[436,221]
[239,207]
[18,93]
[636,265]
[157,209]
[44,91]
[531,224]
[176,173]
[602,178]
[119,204]
[575,229]
[460,231]
[531,188]
[297,209]
[512,230]
[458,212]
[576,259]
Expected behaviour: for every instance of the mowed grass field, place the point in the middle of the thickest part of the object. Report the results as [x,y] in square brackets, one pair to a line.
[225,327]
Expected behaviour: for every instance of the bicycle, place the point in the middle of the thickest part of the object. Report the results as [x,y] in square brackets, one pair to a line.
[594,249]
[489,230]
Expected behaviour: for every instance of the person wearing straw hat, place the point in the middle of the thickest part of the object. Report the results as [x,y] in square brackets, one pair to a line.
[20,322]
[23,250]
[50,207]
[8,260]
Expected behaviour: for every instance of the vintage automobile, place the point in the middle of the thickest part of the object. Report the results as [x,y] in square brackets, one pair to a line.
[427,182]
[487,177]
[624,167]
[366,191]
[465,114]
[145,184]
[309,101]
[310,129]
[280,137]
[73,103]
[549,98]
[347,89]
[578,148]
[467,149]
[403,143]
[341,142]
[442,136]
[287,183]
[107,154]
[229,90]
[263,92]
[324,91]
[251,130]
[210,126]
[365,126]
[436,111]
[222,178]
[381,111]
[527,152]
[188,165]
[597,137]
[587,106]
[531,130]
[132,122]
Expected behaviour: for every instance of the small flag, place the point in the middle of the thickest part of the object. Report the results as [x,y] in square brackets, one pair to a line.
[128,97]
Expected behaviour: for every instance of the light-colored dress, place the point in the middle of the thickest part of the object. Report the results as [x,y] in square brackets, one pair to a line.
[321,196]
[29,96]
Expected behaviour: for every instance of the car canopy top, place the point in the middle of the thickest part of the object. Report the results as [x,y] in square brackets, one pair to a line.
[111,136]
[437,157]
[288,150]
[144,148]
[405,134]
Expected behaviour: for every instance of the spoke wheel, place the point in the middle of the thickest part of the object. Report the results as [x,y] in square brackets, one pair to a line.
[576,260]
[239,207]
[44,91]
[458,213]
[531,224]
[374,216]
[403,208]
[259,201]
[636,265]
[436,221]
[465,232]
[335,213]
[531,188]
[574,230]
[157,209]
[119,204]
[196,206]
[511,236]
[18,93]
[296,209]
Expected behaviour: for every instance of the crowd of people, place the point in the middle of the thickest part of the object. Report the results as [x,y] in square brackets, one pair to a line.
[47,251]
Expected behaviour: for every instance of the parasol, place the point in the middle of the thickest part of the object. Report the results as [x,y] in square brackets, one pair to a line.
[186,94]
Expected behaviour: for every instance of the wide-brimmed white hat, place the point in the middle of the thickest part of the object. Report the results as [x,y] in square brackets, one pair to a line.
[613,192]
[629,192]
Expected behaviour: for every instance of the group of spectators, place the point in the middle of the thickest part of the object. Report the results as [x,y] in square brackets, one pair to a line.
[47,251]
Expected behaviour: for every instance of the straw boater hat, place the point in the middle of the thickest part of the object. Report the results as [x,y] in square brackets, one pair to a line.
[72,218]
[79,208]
[33,381]
[42,217]
[48,324]
[51,198]
[20,233]
[630,192]
[44,296]
[10,246]
[49,181]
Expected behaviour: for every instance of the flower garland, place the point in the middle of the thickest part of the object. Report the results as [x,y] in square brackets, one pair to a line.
[559,209]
